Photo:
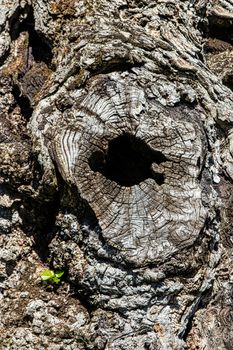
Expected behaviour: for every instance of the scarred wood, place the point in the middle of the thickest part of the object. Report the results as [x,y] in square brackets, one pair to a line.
[116,145]
[146,222]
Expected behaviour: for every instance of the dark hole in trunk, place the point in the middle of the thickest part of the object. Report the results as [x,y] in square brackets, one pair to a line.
[217,28]
[222,30]
[41,48]
[128,161]
[23,102]
[41,51]
[228,81]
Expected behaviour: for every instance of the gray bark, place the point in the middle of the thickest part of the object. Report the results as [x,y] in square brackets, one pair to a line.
[116,167]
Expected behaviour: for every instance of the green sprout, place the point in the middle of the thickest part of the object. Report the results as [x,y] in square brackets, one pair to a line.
[51,276]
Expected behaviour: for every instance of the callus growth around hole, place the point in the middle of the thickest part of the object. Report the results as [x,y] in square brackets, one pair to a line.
[127,161]
[113,152]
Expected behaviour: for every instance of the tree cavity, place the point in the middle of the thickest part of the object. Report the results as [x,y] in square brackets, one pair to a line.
[127,161]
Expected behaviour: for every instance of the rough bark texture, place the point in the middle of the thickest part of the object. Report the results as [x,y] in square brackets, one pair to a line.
[116,166]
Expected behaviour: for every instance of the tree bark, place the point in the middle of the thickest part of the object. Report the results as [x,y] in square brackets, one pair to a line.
[116,167]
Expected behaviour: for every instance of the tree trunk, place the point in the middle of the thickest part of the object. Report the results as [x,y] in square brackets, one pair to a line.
[116,168]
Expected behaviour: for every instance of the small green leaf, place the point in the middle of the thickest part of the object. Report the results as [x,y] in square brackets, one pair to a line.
[56,280]
[51,276]
[58,274]
[47,275]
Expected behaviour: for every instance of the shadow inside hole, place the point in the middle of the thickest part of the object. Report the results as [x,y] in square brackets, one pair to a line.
[221,30]
[228,81]
[41,50]
[40,47]
[216,28]
[23,102]
[128,161]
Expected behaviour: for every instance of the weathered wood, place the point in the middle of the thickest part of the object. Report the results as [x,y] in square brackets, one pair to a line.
[116,122]
[146,217]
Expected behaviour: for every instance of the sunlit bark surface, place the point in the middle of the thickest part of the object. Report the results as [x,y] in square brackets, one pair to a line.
[116,167]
